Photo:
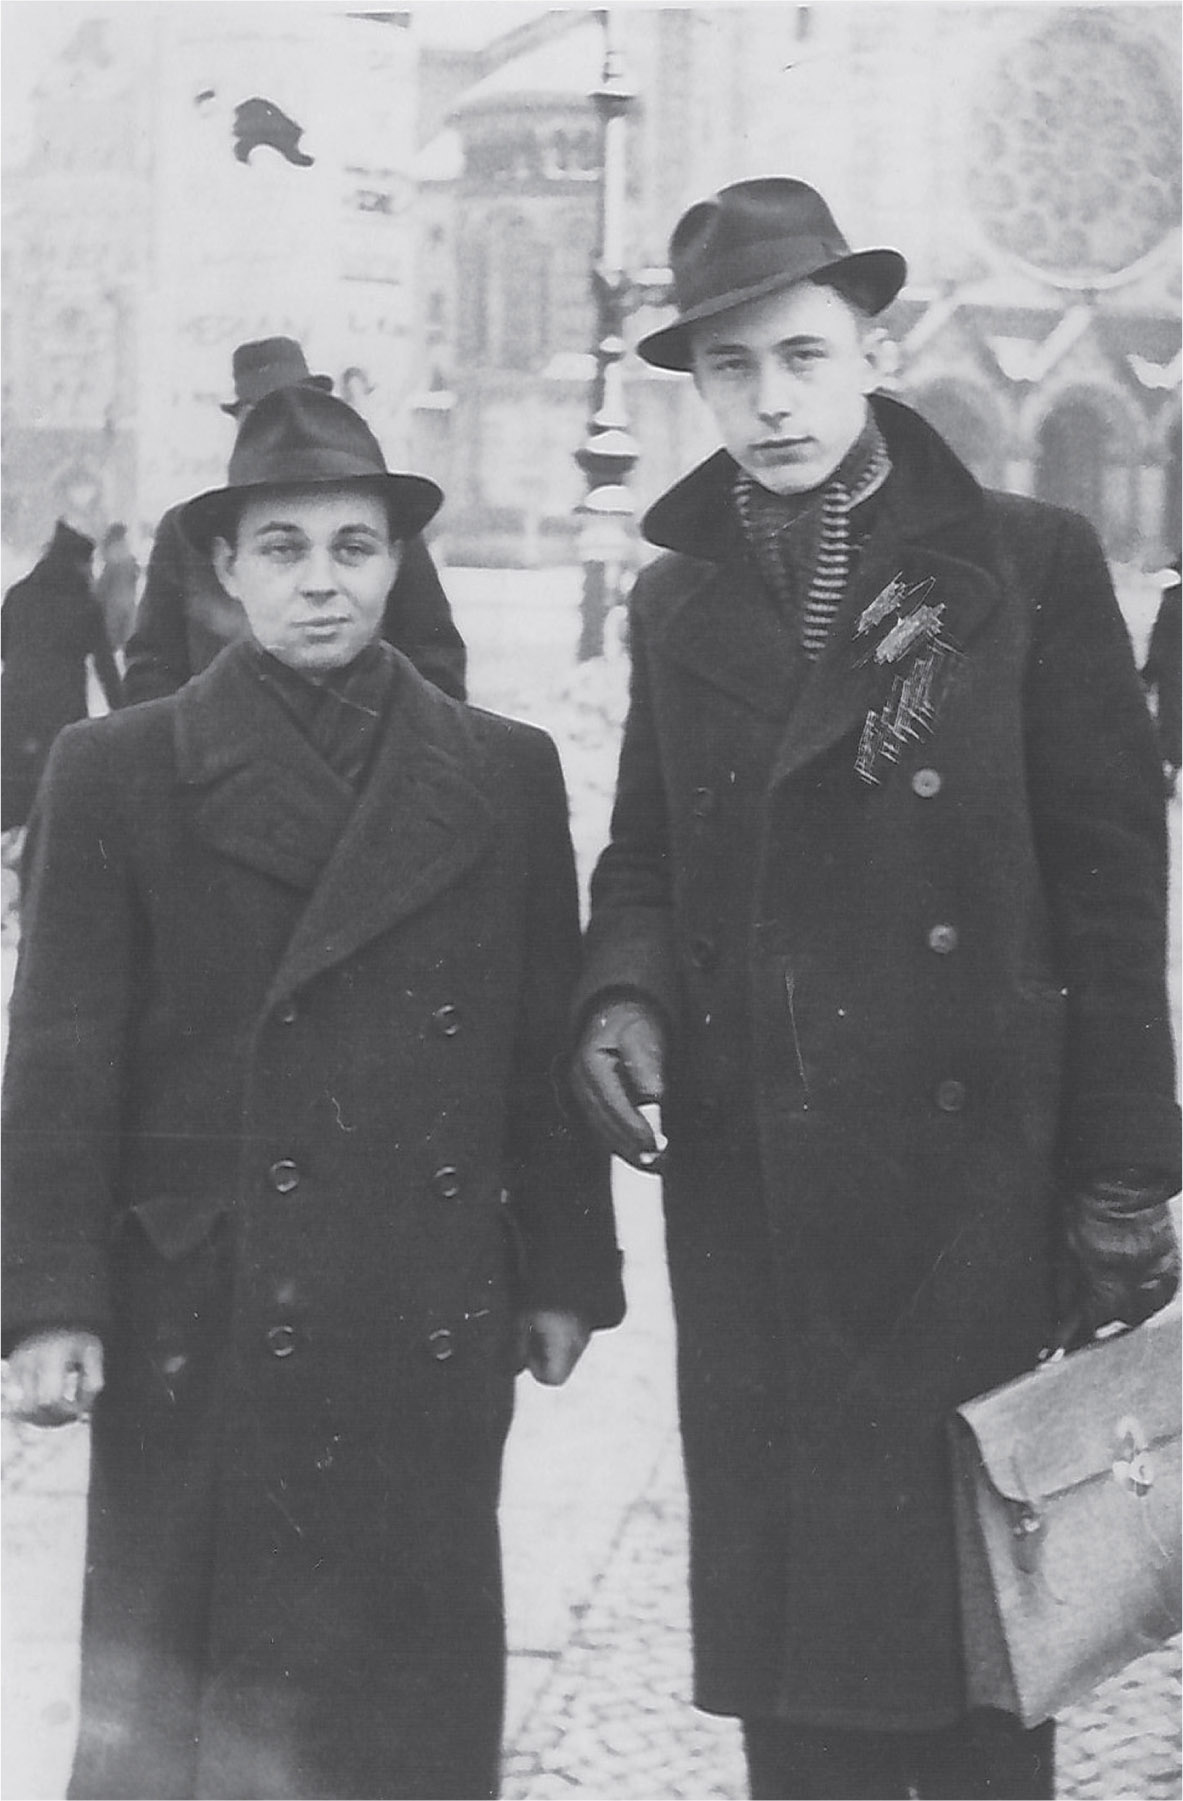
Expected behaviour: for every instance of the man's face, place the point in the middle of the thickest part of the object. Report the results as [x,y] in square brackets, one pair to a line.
[312,569]
[787,379]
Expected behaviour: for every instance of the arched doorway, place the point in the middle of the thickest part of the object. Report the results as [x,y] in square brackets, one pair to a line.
[1082,463]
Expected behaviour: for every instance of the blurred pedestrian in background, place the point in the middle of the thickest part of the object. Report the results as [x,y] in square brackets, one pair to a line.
[881,926]
[1162,672]
[185,616]
[50,624]
[291,1192]
[115,588]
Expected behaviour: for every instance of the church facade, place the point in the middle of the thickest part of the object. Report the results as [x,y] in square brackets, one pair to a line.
[1025,158]
[425,221]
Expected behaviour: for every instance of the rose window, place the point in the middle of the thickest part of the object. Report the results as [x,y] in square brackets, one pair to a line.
[1073,164]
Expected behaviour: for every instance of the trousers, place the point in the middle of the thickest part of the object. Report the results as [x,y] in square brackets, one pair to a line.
[988,1756]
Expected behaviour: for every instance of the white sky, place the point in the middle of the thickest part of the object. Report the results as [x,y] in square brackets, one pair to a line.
[34,31]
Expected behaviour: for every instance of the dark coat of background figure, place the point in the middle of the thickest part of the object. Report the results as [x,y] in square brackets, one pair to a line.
[290,1220]
[116,586]
[1162,673]
[900,1015]
[185,617]
[50,624]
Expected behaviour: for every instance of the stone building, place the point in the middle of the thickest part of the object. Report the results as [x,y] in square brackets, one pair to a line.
[1026,158]
[425,220]
[195,176]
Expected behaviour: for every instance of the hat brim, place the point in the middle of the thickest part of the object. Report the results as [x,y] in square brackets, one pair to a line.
[412,501]
[323,382]
[881,273]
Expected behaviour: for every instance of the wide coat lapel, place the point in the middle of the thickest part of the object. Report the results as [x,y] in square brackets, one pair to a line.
[844,685]
[932,525]
[420,822]
[256,790]
[727,633]
[721,625]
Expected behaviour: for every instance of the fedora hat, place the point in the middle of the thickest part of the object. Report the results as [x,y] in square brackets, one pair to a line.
[752,239]
[305,438]
[264,365]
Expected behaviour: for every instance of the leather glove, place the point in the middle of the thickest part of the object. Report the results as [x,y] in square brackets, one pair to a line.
[619,1067]
[1123,1256]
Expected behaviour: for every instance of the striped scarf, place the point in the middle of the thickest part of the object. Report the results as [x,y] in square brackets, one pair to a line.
[800,539]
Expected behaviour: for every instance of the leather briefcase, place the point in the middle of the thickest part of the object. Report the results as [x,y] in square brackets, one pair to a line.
[1066,1487]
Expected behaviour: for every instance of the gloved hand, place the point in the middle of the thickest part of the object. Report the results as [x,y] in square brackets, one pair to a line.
[1123,1256]
[619,1067]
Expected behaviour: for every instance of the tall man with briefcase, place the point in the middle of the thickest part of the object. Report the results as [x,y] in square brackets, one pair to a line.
[881,926]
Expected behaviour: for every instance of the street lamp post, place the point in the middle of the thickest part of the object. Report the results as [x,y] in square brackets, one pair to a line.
[609,451]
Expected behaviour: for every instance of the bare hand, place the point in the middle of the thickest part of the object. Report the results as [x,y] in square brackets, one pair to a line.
[550,1344]
[55,1377]
[618,1069]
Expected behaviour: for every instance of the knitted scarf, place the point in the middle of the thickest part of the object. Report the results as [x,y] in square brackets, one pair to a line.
[340,712]
[801,543]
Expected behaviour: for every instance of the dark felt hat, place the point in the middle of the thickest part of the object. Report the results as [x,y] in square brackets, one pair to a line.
[305,438]
[755,238]
[264,365]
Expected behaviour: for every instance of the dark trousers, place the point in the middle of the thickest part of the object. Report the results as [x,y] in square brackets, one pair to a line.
[987,1756]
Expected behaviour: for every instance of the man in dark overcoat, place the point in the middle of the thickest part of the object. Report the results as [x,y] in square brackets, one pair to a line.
[881,928]
[185,616]
[50,624]
[291,1187]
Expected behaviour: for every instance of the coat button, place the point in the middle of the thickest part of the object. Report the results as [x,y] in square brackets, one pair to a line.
[446,1182]
[704,952]
[446,1020]
[284,1176]
[281,1340]
[942,940]
[288,1013]
[926,783]
[950,1096]
[440,1344]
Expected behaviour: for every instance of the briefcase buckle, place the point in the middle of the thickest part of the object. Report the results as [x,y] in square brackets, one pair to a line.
[1133,1467]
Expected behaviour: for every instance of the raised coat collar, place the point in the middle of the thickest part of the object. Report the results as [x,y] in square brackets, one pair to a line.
[931,522]
[419,823]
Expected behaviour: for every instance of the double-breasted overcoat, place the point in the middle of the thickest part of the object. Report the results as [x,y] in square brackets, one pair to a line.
[902,1013]
[284,1124]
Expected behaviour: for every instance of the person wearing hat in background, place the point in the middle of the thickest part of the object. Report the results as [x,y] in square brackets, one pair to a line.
[881,929]
[50,624]
[291,1189]
[185,617]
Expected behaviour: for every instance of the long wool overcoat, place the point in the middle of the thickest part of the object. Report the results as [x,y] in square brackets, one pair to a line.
[50,623]
[289,1137]
[901,1014]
